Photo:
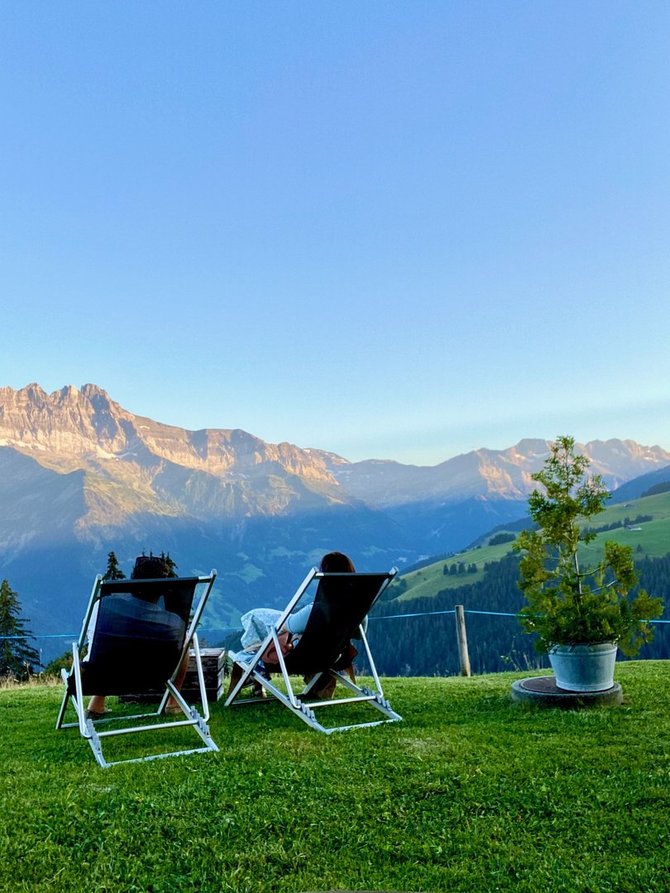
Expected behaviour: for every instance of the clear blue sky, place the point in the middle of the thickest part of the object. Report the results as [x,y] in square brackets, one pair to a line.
[388,229]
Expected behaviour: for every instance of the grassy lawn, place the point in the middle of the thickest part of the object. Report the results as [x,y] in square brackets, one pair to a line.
[470,793]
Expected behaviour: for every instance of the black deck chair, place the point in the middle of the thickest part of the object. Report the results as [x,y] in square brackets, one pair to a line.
[138,632]
[341,603]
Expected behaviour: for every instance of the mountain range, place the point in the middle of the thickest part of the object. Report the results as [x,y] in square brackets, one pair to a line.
[81,476]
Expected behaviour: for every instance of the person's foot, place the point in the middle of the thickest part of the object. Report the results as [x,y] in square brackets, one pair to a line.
[173,708]
[96,714]
[324,692]
[97,705]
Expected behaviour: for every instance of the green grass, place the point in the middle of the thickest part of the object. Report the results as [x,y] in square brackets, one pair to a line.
[429,580]
[470,793]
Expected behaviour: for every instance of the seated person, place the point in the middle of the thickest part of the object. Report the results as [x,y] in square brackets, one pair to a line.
[258,622]
[146,567]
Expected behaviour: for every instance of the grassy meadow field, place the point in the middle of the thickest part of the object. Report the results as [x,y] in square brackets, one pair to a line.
[471,792]
[648,539]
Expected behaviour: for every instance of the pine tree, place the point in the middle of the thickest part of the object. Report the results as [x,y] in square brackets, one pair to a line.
[17,657]
[113,571]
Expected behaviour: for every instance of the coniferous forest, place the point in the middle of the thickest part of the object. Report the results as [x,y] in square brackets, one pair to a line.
[425,644]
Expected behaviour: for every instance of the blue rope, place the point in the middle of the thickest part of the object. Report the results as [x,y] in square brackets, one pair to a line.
[233,629]
[435,613]
[418,614]
[51,636]
[490,613]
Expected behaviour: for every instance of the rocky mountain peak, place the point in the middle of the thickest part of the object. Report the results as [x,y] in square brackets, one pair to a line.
[489,474]
[61,427]
[72,429]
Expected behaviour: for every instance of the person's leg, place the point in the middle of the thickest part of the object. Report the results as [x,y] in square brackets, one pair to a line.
[326,690]
[172,706]
[323,689]
[96,706]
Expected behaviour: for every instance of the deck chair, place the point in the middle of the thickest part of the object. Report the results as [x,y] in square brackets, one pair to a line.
[341,603]
[138,632]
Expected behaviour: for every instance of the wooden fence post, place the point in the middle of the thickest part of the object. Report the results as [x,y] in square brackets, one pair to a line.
[462,637]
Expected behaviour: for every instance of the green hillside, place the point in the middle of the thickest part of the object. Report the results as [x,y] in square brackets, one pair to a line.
[471,792]
[649,538]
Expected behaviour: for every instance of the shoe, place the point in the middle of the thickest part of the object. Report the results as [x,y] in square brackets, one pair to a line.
[173,709]
[236,675]
[96,714]
[325,692]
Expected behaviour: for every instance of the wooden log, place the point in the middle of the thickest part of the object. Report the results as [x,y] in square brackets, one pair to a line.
[462,639]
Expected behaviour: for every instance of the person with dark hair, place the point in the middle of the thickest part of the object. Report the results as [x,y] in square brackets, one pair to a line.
[332,563]
[337,563]
[257,623]
[147,567]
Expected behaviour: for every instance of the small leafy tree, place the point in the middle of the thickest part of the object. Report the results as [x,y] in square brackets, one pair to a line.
[63,662]
[113,571]
[569,604]
[18,658]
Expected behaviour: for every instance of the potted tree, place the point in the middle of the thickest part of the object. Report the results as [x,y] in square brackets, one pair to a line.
[581,615]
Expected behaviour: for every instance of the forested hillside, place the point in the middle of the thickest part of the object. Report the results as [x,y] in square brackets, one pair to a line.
[422,641]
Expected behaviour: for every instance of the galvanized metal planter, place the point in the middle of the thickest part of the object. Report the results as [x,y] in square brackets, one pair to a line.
[584,667]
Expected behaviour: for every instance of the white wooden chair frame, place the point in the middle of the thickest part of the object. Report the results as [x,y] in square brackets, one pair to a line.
[298,703]
[95,730]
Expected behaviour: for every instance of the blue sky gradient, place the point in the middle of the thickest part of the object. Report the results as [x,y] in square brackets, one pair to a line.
[390,230]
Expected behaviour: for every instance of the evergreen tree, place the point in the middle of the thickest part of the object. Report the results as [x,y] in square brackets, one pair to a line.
[17,657]
[569,603]
[113,571]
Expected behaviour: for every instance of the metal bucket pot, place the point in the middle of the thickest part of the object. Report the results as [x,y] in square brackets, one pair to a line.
[584,667]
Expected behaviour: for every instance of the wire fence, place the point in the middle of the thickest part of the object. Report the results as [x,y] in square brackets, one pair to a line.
[413,643]
[233,629]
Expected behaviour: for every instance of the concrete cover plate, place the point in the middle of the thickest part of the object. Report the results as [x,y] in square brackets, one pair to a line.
[543,691]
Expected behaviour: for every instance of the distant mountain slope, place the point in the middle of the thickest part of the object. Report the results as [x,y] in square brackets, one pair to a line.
[640,485]
[159,467]
[139,464]
[451,504]
[484,579]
